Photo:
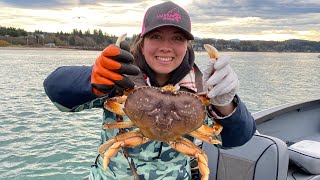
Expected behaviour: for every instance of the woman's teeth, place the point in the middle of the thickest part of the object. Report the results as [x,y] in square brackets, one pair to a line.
[164,59]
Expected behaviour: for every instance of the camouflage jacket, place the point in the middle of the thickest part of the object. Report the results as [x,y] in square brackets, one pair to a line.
[153,160]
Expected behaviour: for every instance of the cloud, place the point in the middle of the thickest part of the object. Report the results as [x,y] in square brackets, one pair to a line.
[255,8]
[228,19]
[245,17]
[39,4]
[57,4]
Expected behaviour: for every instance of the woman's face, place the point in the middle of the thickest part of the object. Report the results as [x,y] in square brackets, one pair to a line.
[164,49]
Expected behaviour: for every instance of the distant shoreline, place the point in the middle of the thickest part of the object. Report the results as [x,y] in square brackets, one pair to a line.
[69,48]
[74,48]
[34,48]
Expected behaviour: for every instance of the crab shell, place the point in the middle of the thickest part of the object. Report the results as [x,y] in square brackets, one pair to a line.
[162,114]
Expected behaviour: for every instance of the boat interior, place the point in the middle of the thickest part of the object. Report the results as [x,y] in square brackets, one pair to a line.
[286,146]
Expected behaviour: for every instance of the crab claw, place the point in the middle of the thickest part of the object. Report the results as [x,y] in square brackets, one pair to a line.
[116,105]
[212,51]
[185,146]
[121,38]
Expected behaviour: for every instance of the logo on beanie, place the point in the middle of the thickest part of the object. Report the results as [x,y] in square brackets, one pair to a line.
[170,15]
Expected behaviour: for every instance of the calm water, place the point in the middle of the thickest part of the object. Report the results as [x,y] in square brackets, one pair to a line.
[39,142]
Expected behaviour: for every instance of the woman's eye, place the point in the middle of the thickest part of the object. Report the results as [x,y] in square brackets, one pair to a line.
[179,38]
[155,36]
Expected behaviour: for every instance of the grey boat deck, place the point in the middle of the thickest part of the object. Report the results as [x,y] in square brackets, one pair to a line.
[266,155]
[292,123]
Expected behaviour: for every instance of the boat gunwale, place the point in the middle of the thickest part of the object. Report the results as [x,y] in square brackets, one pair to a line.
[268,114]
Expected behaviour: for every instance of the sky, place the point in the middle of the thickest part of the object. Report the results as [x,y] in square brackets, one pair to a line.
[276,20]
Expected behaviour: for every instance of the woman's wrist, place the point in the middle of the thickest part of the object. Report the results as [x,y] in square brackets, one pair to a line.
[221,112]
[227,109]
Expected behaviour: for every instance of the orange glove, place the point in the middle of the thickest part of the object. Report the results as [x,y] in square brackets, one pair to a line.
[110,68]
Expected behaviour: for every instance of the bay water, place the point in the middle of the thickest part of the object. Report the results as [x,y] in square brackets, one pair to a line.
[39,142]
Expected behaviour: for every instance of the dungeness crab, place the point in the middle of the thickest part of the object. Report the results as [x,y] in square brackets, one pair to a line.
[162,114]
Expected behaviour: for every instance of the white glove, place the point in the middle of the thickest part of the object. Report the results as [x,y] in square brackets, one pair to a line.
[221,81]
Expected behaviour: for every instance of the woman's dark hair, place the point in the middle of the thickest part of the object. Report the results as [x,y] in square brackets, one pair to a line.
[137,53]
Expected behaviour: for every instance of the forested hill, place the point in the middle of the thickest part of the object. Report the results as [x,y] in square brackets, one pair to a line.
[97,40]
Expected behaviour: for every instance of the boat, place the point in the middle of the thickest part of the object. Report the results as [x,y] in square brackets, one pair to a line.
[286,146]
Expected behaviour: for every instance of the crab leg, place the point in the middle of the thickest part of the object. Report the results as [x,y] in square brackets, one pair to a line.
[191,144]
[205,100]
[112,146]
[185,146]
[210,131]
[105,146]
[118,125]
[116,105]
[204,138]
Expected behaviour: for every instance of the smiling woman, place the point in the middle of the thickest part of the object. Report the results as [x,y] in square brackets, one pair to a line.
[164,50]
[162,56]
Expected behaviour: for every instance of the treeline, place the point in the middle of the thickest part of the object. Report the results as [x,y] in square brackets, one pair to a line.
[10,31]
[97,40]
[293,45]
